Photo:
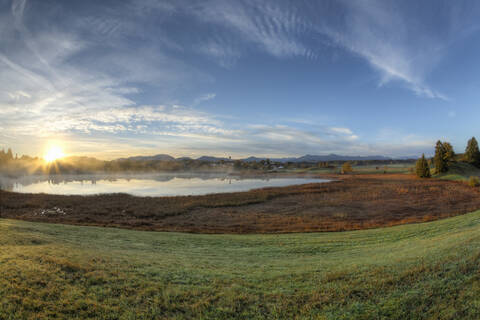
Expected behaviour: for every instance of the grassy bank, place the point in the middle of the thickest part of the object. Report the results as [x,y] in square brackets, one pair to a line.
[419,271]
[459,171]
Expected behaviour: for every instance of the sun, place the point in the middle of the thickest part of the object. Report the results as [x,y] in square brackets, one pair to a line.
[54,153]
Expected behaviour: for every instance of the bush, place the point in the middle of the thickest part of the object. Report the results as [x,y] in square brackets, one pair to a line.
[474,181]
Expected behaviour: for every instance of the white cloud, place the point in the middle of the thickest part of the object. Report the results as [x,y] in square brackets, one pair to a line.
[342,130]
[52,82]
[204,97]
[271,27]
[377,31]
[222,52]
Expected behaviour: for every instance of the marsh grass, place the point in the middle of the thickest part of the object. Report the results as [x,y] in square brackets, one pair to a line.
[420,271]
[353,203]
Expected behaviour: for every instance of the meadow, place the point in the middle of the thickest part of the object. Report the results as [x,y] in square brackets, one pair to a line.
[417,271]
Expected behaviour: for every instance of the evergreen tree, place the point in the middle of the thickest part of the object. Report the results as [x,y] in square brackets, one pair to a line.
[422,168]
[449,154]
[439,159]
[472,154]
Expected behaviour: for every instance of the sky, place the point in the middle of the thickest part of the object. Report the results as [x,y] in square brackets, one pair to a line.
[238,78]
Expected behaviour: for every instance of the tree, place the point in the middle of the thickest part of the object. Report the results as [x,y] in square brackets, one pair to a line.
[422,168]
[439,159]
[449,154]
[347,167]
[472,154]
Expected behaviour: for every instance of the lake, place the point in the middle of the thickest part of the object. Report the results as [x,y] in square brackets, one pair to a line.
[145,185]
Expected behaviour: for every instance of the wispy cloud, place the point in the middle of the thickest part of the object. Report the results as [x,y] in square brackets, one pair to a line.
[203,98]
[54,82]
[272,28]
[378,32]
[104,73]
[395,42]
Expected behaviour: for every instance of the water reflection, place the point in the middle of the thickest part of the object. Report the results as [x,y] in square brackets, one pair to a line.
[145,184]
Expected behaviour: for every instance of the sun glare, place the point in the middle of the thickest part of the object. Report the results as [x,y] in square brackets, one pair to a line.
[54,153]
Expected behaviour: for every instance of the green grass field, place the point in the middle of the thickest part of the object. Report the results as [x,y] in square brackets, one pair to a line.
[418,271]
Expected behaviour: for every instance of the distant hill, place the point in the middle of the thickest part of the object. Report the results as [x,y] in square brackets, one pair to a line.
[317,158]
[336,157]
[158,157]
[305,158]
[212,159]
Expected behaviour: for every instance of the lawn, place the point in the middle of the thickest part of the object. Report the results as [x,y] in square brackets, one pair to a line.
[417,271]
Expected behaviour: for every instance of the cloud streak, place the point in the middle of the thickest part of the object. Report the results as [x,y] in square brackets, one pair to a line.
[271,28]
[381,32]
[378,32]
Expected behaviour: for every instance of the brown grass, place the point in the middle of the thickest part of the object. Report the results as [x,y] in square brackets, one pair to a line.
[355,202]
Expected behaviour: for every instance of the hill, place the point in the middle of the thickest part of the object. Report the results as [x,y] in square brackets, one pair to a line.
[417,271]
[212,159]
[336,157]
[460,171]
[305,158]
[158,157]
[317,158]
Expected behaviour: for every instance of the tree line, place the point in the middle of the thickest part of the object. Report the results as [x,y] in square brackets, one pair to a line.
[445,156]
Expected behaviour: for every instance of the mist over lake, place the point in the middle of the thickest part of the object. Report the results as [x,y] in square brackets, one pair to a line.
[145,184]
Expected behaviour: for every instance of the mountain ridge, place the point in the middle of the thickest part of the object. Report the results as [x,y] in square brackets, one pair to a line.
[304,158]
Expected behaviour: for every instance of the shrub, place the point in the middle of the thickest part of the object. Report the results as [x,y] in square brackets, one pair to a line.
[474,181]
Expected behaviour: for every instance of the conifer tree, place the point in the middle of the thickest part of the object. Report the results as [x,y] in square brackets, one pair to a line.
[439,159]
[422,168]
[449,154]
[472,154]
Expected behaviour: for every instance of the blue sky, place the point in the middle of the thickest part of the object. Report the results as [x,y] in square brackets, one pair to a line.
[239,78]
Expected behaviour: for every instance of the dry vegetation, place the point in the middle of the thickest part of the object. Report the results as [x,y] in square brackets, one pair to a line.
[355,202]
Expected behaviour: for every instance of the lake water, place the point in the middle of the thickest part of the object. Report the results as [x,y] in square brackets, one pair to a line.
[145,185]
